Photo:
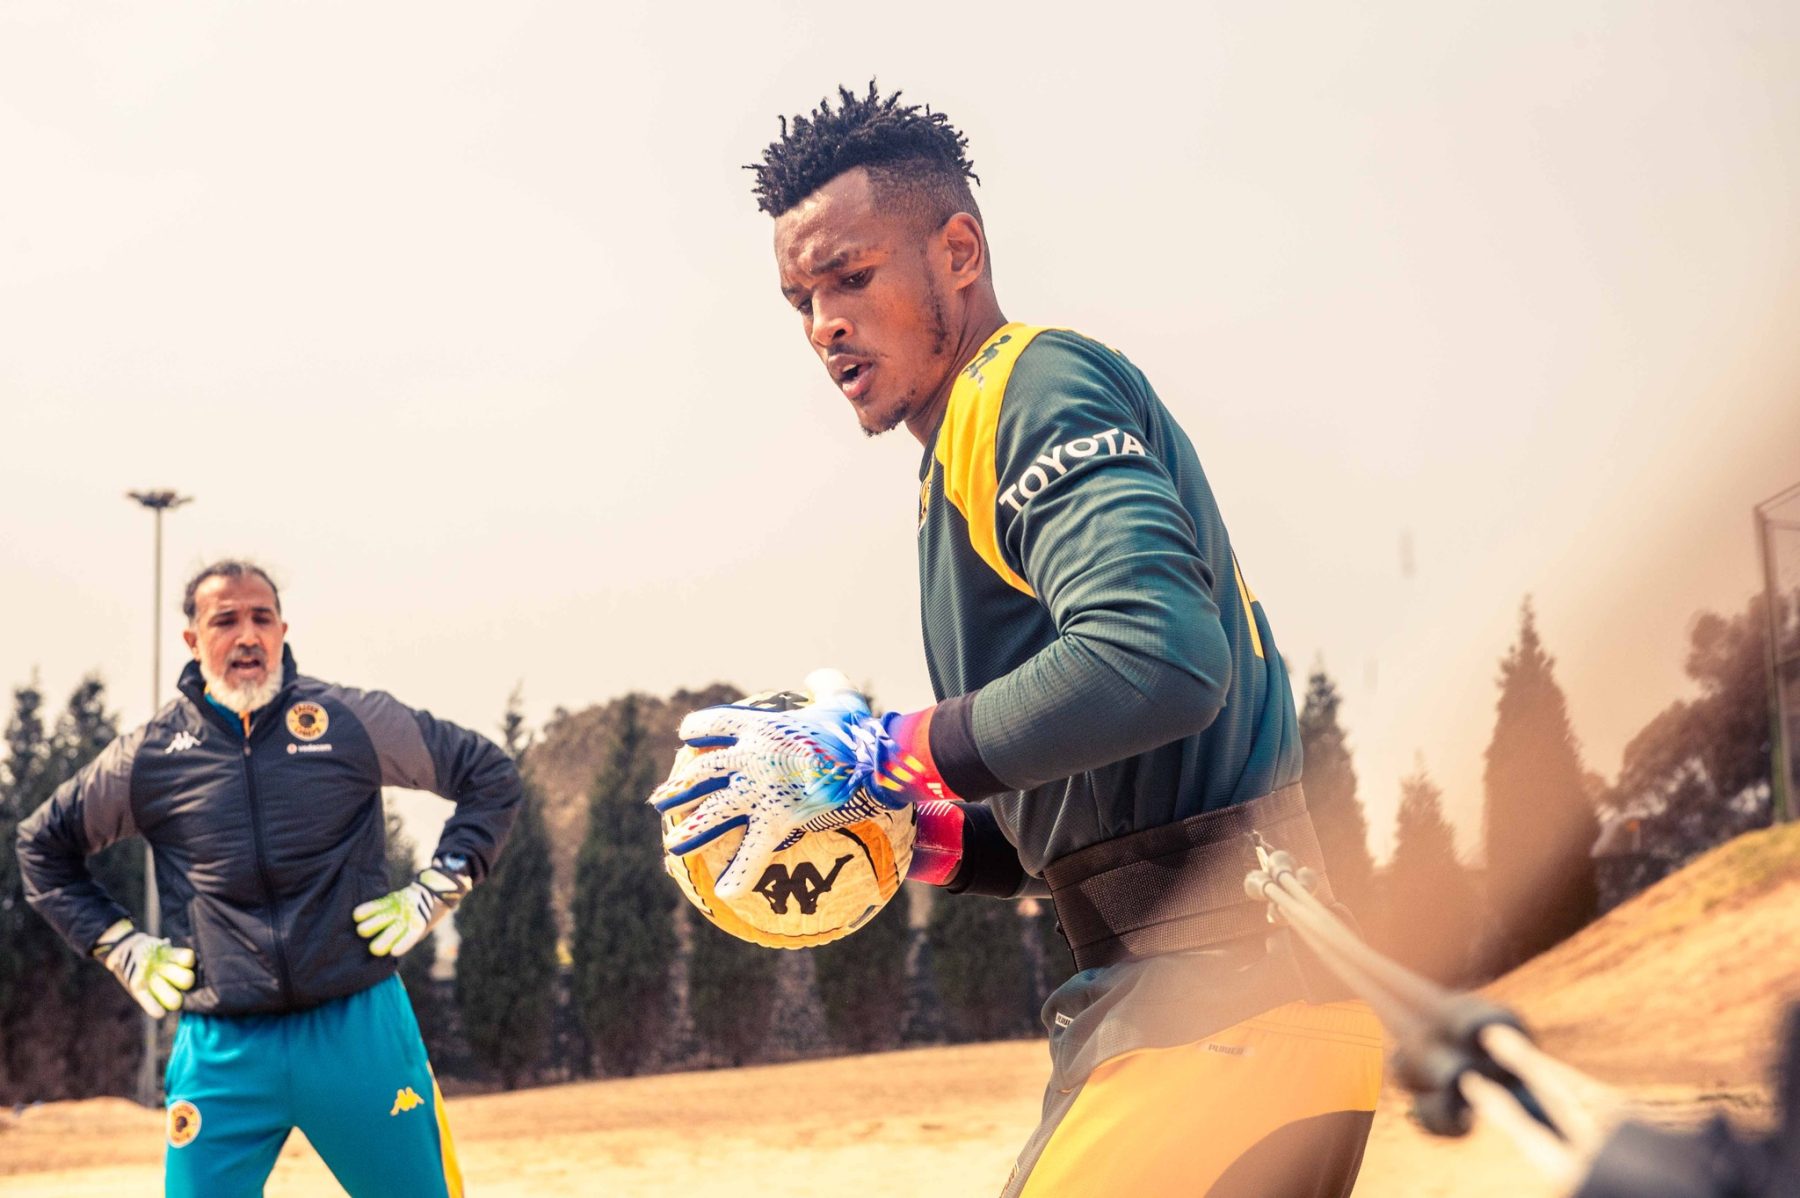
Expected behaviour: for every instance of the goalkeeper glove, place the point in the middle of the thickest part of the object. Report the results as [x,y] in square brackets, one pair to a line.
[779,774]
[395,922]
[152,970]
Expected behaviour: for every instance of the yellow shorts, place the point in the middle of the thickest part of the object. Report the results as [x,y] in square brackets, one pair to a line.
[1276,1106]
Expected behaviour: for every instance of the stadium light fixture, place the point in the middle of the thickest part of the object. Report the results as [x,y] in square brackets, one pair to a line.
[148,1090]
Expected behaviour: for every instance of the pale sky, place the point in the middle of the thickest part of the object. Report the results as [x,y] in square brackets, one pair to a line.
[461,319]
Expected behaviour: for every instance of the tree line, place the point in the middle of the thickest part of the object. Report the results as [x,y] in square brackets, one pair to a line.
[637,982]
[1696,775]
[67,1029]
[578,958]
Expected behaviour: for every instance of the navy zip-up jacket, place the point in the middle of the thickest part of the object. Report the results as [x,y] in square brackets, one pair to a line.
[265,837]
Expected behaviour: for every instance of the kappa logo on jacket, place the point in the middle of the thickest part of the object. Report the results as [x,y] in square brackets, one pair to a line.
[182,741]
[405,1100]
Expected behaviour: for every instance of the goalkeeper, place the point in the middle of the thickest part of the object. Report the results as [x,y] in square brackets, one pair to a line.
[1114,714]
[259,791]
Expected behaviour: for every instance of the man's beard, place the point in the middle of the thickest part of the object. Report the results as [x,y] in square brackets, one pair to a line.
[243,699]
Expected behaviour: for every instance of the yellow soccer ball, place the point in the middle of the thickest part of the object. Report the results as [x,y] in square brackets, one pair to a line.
[820,888]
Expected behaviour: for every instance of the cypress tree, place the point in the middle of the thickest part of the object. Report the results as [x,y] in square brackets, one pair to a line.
[515,738]
[924,1009]
[1432,907]
[23,774]
[29,948]
[1538,820]
[1329,780]
[796,1017]
[623,942]
[67,1030]
[984,977]
[861,981]
[100,1025]
[506,967]
[731,992]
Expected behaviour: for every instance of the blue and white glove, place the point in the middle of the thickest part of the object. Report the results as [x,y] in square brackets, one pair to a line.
[781,773]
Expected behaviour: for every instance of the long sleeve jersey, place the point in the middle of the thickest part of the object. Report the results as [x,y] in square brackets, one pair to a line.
[1101,662]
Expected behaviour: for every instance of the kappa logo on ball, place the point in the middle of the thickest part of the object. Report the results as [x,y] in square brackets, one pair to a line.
[778,884]
[307,721]
[184,1123]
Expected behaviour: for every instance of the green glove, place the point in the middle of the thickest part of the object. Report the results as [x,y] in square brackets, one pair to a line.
[155,972]
[395,922]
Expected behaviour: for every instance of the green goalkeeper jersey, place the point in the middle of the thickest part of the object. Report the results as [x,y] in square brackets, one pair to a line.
[1103,664]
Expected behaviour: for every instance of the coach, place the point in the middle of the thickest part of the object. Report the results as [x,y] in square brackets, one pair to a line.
[259,791]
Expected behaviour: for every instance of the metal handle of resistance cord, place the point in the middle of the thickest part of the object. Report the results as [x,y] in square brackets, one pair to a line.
[1462,1056]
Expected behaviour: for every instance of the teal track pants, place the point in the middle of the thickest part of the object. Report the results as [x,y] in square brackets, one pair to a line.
[350,1074]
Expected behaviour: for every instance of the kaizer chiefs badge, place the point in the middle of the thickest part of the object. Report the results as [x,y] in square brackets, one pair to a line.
[307,721]
[184,1123]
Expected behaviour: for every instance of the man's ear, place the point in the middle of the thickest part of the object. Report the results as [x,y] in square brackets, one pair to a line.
[965,246]
[193,642]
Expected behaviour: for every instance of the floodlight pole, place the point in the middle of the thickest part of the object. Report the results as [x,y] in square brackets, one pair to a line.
[148,1086]
[1780,774]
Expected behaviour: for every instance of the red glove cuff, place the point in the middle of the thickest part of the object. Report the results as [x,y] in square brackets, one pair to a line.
[937,842]
[938,833]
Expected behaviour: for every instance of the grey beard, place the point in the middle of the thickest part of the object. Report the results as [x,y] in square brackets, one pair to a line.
[243,700]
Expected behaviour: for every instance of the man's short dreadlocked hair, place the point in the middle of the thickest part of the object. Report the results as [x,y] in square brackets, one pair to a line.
[914,155]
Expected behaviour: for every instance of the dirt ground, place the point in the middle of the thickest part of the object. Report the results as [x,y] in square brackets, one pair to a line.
[1685,983]
[937,1121]
[1676,996]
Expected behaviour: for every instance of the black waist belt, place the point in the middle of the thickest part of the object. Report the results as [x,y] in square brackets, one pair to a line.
[1180,886]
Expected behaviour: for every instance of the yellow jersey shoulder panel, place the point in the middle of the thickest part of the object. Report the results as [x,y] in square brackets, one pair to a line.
[965,455]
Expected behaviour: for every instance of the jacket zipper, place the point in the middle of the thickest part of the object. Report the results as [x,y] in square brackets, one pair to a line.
[262,870]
